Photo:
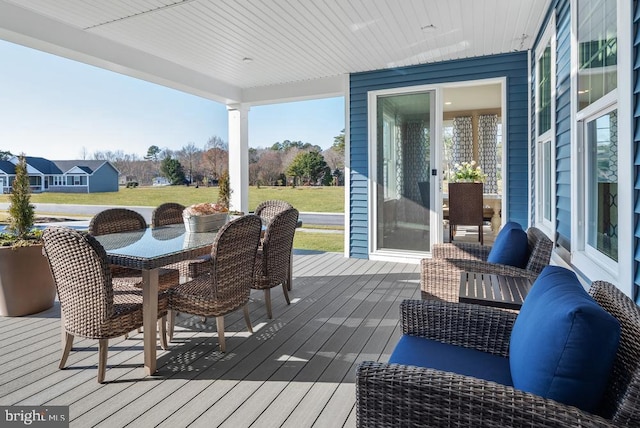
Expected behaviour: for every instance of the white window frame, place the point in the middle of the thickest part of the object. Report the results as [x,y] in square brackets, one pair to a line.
[597,266]
[372,96]
[547,225]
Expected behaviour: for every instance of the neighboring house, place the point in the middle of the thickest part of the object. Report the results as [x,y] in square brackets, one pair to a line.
[161,181]
[66,176]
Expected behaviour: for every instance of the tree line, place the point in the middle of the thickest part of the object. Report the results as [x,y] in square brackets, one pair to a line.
[284,163]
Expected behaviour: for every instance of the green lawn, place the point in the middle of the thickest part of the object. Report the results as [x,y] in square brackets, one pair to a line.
[309,199]
[333,242]
[318,199]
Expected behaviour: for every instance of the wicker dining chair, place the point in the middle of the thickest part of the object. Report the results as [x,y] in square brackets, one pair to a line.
[115,220]
[227,285]
[440,275]
[167,213]
[170,213]
[266,210]
[273,259]
[92,305]
[401,395]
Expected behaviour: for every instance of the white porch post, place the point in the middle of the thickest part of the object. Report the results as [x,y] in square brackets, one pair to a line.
[239,156]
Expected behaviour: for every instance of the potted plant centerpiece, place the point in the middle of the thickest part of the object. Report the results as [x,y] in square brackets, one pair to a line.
[206,217]
[26,285]
[467,172]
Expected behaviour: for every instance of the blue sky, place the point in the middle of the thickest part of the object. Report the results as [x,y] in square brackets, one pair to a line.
[53,107]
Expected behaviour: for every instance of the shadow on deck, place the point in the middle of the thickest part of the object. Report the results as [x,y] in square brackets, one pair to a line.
[295,370]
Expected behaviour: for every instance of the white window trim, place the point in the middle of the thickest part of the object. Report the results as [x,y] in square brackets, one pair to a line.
[622,273]
[547,226]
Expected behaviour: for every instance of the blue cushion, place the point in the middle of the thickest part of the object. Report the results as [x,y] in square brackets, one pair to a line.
[511,247]
[421,352]
[563,343]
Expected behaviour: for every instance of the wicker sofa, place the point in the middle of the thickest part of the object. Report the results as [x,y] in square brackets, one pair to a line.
[402,395]
[440,275]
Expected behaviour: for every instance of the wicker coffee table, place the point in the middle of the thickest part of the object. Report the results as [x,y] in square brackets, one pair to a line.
[501,291]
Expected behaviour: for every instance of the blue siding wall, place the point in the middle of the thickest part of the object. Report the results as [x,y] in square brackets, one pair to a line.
[563,124]
[104,179]
[636,140]
[513,66]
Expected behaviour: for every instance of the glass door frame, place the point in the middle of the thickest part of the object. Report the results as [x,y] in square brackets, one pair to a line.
[435,198]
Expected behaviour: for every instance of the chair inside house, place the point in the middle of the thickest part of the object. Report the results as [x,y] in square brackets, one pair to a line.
[273,260]
[92,305]
[524,255]
[115,220]
[465,207]
[227,285]
[567,359]
[170,213]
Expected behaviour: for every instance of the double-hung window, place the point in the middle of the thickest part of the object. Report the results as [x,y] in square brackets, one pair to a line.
[545,130]
[597,131]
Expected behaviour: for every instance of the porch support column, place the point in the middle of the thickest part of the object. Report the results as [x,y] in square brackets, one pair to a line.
[239,156]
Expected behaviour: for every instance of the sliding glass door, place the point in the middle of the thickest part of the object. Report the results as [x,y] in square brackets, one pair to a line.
[403,156]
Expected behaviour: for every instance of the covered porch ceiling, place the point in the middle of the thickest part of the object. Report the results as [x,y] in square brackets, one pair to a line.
[266,51]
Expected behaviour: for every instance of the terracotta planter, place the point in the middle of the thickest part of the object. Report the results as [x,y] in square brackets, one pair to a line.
[26,285]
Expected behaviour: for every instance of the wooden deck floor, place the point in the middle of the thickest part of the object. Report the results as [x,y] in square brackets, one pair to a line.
[296,370]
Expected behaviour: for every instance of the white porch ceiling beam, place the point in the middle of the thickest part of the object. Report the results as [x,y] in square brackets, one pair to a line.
[334,86]
[26,28]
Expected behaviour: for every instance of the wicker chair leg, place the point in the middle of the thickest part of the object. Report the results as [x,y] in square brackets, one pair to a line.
[172,323]
[267,301]
[220,325]
[103,348]
[68,344]
[247,320]
[286,293]
[162,330]
[290,273]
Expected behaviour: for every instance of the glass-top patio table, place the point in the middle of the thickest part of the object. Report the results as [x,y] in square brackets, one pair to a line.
[149,250]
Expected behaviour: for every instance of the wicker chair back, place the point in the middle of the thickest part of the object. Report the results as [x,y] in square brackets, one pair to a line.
[116,220]
[167,213]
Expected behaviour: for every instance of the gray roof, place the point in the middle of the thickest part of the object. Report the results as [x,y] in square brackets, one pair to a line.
[87,166]
[7,167]
[43,165]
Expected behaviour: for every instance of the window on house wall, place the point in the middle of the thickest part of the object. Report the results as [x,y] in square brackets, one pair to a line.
[598,120]
[545,132]
[597,50]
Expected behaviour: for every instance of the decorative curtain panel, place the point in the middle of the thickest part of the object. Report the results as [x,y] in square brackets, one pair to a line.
[462,150]
[416,162]
[399,157]
[487,147]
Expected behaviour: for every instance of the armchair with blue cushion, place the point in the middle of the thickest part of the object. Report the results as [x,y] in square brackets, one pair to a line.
[569,358]
[514,253]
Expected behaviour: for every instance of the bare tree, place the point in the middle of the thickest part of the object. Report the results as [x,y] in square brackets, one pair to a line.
[189,157]
[216,156]
[270,167]
[334,159]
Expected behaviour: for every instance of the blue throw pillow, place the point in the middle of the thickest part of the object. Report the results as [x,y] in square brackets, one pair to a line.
[563,343]
[511,246]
